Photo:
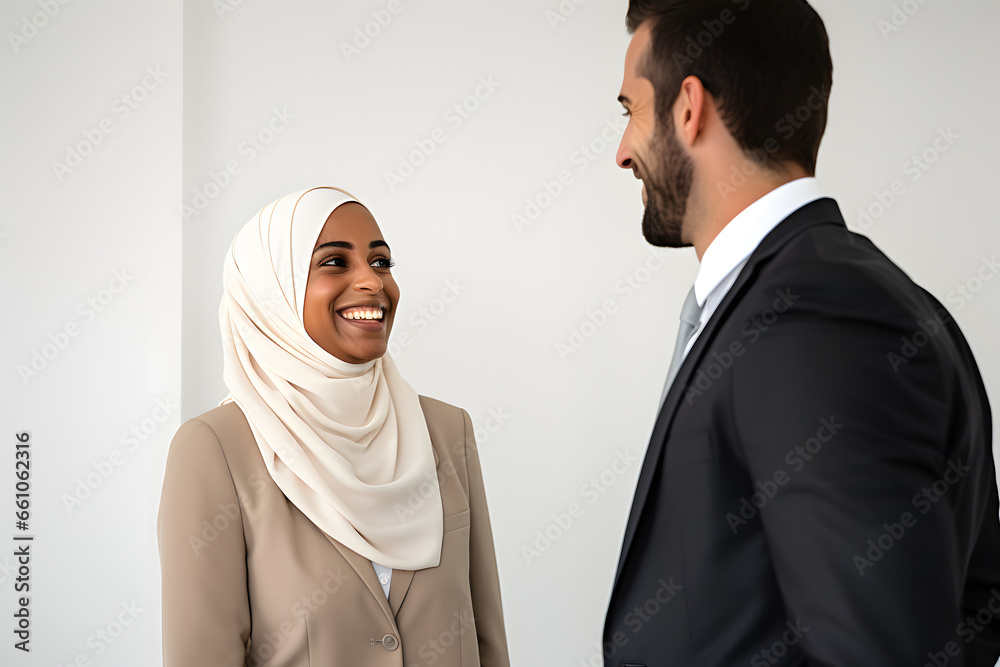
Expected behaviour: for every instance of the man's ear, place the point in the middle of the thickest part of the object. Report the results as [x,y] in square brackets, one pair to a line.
[689,110]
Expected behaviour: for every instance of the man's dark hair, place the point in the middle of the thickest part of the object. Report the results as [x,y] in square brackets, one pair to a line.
[766,62]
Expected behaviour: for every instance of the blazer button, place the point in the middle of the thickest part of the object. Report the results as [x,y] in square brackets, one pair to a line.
[389,642]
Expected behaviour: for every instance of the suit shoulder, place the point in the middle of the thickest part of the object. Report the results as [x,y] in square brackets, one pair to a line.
[449,427]
[839,272]
[223,417]
[437,409]
[223,427]
[829,248]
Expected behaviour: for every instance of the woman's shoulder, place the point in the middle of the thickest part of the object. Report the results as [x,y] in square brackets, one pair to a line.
[450,429]
[428,402]
[443,415]
[223,418]
[223,427]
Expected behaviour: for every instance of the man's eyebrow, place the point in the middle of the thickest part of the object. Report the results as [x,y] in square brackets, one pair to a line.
[350,246]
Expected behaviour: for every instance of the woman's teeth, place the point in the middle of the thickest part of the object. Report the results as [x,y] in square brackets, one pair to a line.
[363,313]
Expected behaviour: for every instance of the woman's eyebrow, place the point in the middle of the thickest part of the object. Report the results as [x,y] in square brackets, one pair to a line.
[350,246]
[334,244]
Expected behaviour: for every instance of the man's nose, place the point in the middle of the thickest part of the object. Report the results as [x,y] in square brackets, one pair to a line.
[624,155]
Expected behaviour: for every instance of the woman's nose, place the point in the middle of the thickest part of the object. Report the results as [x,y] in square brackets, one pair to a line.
[367,280]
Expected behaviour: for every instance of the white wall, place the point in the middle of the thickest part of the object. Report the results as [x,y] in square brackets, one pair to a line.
[90,260]
[347,120]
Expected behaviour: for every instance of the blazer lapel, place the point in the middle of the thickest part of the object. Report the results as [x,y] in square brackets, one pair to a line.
[400,585]
[364,568]
[400,578]
[818,212]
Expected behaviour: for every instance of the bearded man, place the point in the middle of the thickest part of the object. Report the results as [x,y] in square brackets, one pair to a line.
[819,487]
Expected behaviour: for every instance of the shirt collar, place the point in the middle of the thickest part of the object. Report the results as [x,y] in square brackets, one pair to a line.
[738,239]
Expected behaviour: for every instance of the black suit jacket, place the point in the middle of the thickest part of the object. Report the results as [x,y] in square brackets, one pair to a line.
[819,486]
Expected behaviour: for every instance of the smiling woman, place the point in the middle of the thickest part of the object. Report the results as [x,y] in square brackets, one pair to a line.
[324,513]
[351,294]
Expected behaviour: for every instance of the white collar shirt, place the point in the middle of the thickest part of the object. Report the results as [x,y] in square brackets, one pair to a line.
[728,253]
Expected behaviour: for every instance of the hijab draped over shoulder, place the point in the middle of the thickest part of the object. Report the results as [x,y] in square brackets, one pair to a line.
[346,443]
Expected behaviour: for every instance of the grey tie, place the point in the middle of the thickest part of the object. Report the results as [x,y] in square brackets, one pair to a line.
[690,313]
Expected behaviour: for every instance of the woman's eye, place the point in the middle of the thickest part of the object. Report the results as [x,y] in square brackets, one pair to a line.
[334,261]
[384,263]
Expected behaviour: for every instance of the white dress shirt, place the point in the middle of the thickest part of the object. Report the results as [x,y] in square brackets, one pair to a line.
[728,253]
[384,577]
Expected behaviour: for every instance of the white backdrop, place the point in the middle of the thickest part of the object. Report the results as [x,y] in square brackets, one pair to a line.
[140,135]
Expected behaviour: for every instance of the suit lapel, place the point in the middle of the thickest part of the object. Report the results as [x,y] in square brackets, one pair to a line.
[400,585]
[818,212]
[364,568]
[401,579]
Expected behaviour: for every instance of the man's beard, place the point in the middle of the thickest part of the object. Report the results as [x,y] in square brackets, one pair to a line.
[668,184]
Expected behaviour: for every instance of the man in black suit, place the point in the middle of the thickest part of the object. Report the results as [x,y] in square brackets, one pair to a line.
[819,487]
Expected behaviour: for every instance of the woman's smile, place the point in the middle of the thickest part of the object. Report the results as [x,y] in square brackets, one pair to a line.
[374,312]
[367,318]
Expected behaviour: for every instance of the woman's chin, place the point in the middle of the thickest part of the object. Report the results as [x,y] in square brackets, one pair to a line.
[360,354]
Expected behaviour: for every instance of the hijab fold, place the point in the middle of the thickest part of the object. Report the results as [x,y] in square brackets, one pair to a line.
[346,443]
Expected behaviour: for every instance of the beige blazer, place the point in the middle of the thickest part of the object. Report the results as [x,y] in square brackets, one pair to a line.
[248,580]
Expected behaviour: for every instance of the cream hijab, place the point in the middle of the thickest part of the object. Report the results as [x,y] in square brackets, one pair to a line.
[346,443]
